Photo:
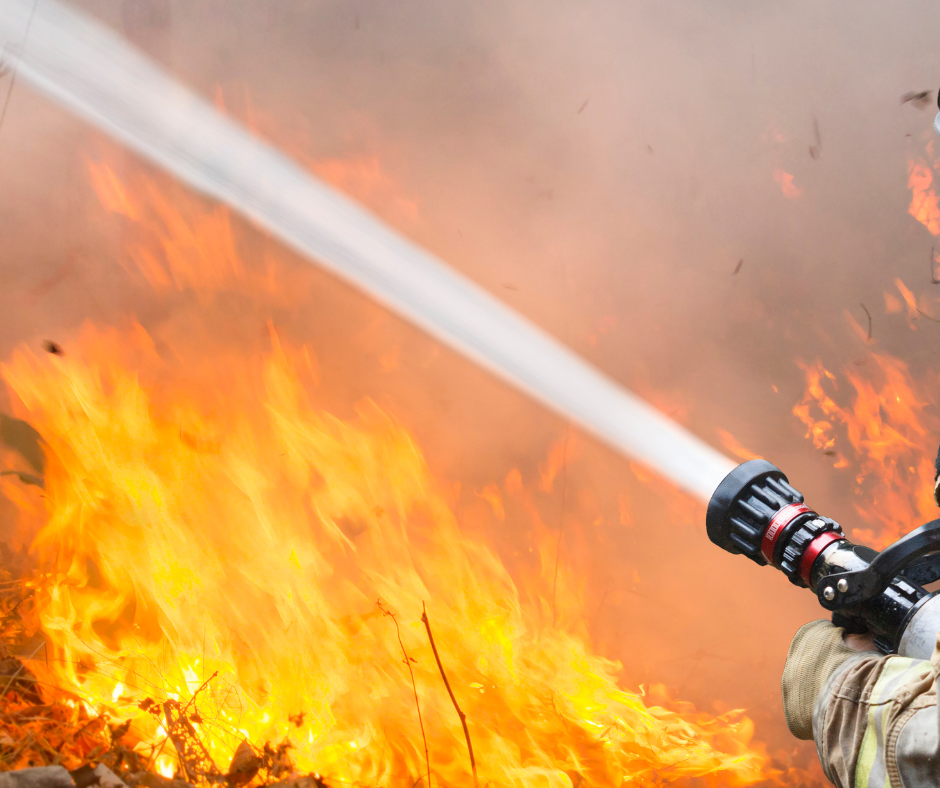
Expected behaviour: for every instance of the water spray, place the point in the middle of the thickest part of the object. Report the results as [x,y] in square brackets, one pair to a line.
[93,72]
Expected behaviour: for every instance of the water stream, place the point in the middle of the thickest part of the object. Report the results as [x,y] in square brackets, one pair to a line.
[89,69]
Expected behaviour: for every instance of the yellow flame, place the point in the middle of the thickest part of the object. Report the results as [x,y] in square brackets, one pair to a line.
[214,538]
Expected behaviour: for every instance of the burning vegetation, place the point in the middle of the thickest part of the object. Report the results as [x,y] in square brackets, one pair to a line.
[874,419]
[228,583]
[881,431]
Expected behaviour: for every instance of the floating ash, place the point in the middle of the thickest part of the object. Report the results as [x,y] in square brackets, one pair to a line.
[919,98]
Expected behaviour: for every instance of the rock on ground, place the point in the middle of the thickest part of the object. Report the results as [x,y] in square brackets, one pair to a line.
[40,777]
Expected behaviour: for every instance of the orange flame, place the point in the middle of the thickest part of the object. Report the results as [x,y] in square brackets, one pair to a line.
[214,538]
[785,181]
[559,455]
[733,445]
[923,197]
[110,191]
[881,435]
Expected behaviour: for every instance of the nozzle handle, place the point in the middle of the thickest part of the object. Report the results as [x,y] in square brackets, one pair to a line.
[845,589]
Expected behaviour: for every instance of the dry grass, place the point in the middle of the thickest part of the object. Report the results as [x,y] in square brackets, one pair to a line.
[44,725]
[37,729]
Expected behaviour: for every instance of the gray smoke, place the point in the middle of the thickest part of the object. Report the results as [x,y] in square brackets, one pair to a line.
[85,67]
[607,169]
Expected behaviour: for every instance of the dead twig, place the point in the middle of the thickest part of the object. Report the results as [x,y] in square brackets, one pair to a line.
[933,268]
[195,760]
[919,98]
[868,314]
[463,717]
[171,735]
[414,687]
[20,668]
[204,684]
[816,148]
[922,313]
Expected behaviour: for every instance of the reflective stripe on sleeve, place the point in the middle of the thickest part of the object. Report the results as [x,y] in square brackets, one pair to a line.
[870,771]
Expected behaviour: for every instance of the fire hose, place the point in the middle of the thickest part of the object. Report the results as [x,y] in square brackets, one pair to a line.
[756,512]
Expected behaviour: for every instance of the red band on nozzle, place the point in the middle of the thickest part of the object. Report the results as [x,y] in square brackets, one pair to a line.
[813,549]
[777,524]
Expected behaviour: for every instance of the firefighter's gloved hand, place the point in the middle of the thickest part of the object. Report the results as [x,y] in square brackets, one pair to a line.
[816,651]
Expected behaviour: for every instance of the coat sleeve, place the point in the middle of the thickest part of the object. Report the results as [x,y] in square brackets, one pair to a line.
[825,684]
[817,651]
[874,718]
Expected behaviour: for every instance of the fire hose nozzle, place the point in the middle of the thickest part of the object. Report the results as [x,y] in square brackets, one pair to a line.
[756,512]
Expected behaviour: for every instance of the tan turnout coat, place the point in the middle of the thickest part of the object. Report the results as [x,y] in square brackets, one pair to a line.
[874,719]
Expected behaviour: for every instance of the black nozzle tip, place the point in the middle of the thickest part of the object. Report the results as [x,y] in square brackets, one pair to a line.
[718,516]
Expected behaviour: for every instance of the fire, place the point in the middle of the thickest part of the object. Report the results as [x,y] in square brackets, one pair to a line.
[910,301]
[736,448]
[222,560]
[884,434]
[923,197]
[110,190]
[363,177]
[785,181]
[883,431]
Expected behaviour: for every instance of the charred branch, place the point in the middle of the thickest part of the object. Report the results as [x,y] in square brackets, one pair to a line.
[463,717]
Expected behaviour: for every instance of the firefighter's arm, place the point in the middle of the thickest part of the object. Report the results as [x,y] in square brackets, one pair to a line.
[874,718]
[824,683]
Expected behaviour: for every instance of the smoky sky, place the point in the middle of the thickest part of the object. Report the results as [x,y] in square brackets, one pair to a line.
[603,167]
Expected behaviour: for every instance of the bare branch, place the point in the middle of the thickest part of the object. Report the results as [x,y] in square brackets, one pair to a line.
[414,687]
[463,717]
[922,313]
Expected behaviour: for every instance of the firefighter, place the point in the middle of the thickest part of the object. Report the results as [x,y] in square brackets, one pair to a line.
[874,718]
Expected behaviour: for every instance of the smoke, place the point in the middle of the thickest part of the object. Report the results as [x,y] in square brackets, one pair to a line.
[602,167]
[93,73]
